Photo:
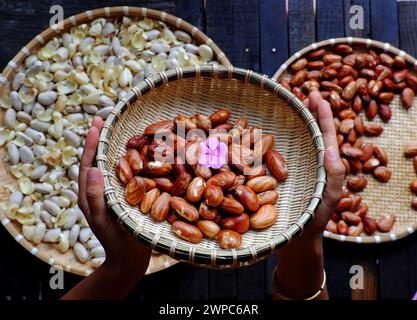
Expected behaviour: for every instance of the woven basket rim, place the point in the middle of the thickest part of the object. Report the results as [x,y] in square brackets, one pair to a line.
[367,43]
[49,33]
[193,253]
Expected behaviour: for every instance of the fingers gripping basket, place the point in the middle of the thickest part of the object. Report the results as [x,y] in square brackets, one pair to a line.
[203,90]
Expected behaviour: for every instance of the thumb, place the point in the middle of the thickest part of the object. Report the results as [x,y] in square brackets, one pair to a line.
[95,195]
[335,177]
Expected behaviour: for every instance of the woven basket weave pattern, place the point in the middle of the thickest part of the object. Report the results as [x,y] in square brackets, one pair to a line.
[394,196]
[205,94]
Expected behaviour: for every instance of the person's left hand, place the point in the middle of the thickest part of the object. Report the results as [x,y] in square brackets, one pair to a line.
[123,252]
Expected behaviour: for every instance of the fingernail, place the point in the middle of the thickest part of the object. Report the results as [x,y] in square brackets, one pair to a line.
[93,175]
[332,153]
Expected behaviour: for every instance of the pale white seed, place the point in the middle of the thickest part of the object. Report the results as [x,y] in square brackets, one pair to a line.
[125,78]
[73,172]
[98,252]
[28,107]
[28,232]
[139,77]
[102,49]
[151,34]
[85,235]
[91,109]
[52,235]
[46,218]
[104,112]
[35,135]
[24,117]
[93,243]
[39,233]
[66,39]
[26,154]
[16,102]
[44,187]
[48,97]
[172,64]
[75,117]
[72,138]
[38,125]
[29,61]
[10,118]
[18,80]
[61,201]
[16,197]
[115,44]
[70,195]
[80,252]
[74,233]
[189,47]
[105,101]
[71,218]
[108,29]
[52,207]
[205,52]
[39,150]
[159,47]
[97,262]
[34,69]
[38,172]
[183,36]
[63,243]
[13,152]
[80,151]
[36,109]
[147,55]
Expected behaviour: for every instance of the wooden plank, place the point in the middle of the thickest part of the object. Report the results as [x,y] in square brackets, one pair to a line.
[393,270]
[20,271]
[365,257]
[192,283]
[162,285]
[407,17]
[192,11]
[219,24]
[412,265]
[222,284]
[251,282]
[273,35]
[330,23]
[271,263]
[301,22]
[364,32]
[384,21]
[337,262]
[245,36]
[393,260]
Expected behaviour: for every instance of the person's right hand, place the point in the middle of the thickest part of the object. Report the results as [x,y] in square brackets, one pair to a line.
[123,252]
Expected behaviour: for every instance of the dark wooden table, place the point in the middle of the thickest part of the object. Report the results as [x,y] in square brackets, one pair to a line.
[255,34]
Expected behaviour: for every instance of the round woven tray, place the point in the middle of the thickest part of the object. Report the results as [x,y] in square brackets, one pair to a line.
[394,196]
[44,251]
[204,89]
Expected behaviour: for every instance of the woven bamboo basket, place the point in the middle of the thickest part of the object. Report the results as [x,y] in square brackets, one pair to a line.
[204,89]
[44,251]
[394,196]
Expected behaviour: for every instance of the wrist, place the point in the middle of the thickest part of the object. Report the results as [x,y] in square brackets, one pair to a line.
[116,268]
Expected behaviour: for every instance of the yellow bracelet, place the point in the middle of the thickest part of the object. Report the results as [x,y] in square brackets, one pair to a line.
[277,294]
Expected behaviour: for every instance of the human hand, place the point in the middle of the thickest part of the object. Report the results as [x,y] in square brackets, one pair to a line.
[335,169]
[123,252]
